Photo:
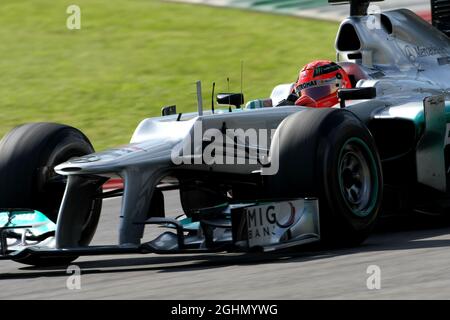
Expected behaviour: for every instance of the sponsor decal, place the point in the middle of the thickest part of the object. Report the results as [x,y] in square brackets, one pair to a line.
[318,71]
[86,159]
[305,85]
[415,52]
[266,223]
[317,83]
[108,154]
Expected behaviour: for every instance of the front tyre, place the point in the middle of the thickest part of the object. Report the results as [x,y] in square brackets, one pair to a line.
[28,156]
[330,154]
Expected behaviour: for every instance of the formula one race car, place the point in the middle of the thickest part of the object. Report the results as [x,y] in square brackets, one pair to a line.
[250,179]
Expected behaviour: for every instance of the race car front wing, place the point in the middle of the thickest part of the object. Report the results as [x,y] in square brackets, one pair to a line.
[256,226]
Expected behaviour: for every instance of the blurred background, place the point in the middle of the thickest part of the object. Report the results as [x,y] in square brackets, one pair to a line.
[131,57]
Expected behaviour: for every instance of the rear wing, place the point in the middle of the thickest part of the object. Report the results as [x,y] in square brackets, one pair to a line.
[440,11]
[357,7]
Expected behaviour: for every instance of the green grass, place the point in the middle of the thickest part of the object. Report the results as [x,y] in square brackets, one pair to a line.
[133,56]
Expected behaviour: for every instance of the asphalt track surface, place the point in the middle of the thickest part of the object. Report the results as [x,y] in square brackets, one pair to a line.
[414,259]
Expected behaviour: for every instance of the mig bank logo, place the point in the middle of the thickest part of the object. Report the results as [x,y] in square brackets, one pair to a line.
[266,223]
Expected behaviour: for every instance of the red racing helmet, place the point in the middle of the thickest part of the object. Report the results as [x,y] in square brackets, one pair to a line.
[318,83]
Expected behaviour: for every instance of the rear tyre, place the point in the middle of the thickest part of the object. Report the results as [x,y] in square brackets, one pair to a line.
[28,156]
[330,154]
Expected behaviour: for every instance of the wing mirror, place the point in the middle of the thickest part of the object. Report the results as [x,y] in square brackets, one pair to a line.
[169,110]
[234,99]
[356,94]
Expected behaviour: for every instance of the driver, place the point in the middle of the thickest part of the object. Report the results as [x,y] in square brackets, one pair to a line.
[317,86]
[318,83]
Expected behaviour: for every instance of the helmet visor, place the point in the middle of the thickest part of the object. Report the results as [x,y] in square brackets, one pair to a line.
[318,89]
[320,92]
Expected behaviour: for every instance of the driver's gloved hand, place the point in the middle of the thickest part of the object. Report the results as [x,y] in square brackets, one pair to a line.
[289,101]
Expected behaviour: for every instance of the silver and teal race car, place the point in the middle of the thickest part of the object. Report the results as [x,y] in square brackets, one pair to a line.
[250,178]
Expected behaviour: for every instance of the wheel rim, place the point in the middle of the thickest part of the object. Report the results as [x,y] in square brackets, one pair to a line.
[358,179]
